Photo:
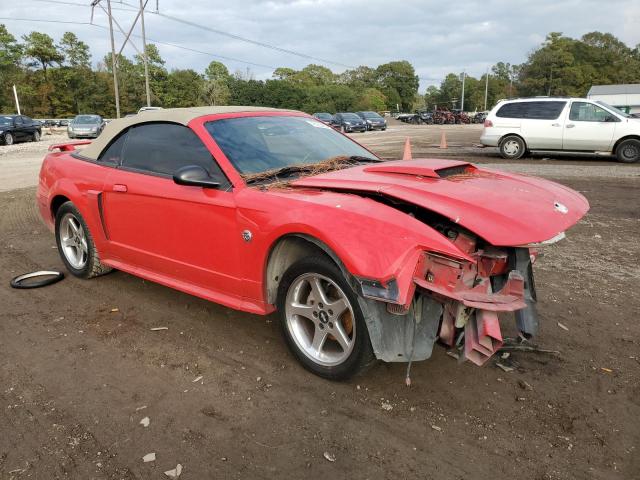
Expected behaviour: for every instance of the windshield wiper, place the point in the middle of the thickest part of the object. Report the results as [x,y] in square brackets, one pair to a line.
[360,158]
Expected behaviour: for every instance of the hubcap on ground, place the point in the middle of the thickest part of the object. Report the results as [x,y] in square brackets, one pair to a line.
[320,319]
[73,241]
[511,147]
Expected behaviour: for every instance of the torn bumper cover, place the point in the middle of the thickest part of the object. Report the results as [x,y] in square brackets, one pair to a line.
[451,297]
[473,294]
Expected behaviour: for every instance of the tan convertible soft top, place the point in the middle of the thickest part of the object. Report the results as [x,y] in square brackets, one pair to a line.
[176,115]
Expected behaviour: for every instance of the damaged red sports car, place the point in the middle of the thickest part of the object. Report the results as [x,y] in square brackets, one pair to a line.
[261,210]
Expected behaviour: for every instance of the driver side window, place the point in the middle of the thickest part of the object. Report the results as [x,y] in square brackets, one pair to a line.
[587,112]
[163,148]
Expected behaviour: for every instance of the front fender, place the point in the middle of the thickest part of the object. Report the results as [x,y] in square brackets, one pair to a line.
[373,241]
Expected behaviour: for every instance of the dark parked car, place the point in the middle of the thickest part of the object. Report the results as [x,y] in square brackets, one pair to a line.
[85,126]
[373,120]
[18,128]
[324,117]
[348,122]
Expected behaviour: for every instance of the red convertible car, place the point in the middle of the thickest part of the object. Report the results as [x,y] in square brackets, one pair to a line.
[261,210]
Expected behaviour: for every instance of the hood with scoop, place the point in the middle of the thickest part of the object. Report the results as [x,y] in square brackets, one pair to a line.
[504,209]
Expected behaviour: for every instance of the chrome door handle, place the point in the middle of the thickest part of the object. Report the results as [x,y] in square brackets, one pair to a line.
[555,124]
[571,125]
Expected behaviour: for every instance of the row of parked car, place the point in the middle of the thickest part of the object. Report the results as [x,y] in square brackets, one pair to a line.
[20,128]
[353,122]
[441,116]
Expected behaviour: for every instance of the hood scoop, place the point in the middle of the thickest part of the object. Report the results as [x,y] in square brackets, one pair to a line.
[420,169]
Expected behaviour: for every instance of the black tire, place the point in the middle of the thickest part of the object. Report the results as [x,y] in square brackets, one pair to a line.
[8,139]
[92,267]
[512,147]
[361,356]
[628,151]
[36,136]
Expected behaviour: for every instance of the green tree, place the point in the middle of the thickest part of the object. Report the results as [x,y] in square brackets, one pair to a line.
[76,53]
[371,99]
[41,49]
[399,83]
[10,57]
[183,89]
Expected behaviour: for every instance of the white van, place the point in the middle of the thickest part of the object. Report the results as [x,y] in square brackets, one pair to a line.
[558,124]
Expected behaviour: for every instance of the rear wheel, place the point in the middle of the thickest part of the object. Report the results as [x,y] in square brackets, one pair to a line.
[512,147]
[8,139]
[628,151]
[321,320]
[75,244]
[36,136]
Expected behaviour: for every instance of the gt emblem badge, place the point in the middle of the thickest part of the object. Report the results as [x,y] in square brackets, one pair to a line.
[560,207]
[247,235]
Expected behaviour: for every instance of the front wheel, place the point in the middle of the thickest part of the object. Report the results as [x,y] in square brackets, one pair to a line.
[36,136]
[628,151]
[321,320]
[512,147]
[75,244]
[8,139]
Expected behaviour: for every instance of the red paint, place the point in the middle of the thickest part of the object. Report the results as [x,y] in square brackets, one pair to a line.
[190,238]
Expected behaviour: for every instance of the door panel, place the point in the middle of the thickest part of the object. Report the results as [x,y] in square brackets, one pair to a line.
[586,128]
[183,232]
[543,134]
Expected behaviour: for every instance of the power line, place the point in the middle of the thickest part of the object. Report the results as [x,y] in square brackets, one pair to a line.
[169,44]
[62,2]
[247,40]
[42,20]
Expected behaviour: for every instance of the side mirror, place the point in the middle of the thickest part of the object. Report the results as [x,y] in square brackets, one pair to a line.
[195,176]
[610,118]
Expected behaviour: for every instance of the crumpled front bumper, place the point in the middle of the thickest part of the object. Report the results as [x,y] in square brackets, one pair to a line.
[473,294]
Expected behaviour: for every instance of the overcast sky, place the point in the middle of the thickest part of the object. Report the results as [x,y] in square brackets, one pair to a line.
[436,36]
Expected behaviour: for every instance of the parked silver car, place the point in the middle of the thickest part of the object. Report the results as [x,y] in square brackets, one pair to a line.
[85,126]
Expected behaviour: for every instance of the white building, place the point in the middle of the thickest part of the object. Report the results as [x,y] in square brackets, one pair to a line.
[625,97]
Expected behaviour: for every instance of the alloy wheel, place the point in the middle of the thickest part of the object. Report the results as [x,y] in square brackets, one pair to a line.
[73,241]
[320,319]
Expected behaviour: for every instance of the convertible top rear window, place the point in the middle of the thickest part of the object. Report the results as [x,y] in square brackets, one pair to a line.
[259,144]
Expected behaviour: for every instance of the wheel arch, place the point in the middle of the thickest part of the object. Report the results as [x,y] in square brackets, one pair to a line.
[622,139]
[56,202]
[288,249]
[511,134]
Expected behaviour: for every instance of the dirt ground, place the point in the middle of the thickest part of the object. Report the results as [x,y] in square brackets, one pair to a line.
[81,366]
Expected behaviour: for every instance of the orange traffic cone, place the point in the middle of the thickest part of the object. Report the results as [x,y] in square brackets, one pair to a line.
[443,140]
[407,150]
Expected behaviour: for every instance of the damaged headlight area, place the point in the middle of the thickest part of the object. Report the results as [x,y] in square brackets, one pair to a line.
[456,302]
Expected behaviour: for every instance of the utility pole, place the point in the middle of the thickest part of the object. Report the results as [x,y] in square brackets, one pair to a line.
[127,39]
[144,54]
[462,96]
[114,60]
[486,90]
[15,95]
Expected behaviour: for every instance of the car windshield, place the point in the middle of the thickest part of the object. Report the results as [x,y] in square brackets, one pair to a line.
[260,144]
[87,119]
[614,109]
[371,115]
[350,116]
[6,120]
